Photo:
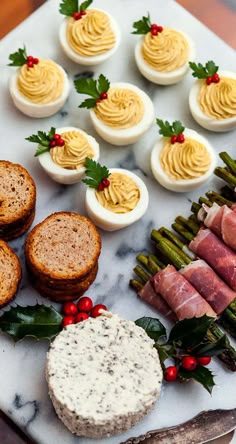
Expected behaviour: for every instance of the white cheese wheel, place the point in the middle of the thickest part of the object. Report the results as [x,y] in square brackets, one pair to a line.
[65,175]
[181,185]
[93,60]
[130,135]
[110,221]
[34,109]
[159,77]
[211,124]
[104,376]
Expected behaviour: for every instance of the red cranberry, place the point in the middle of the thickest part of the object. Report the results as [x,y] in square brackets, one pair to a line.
[60,142]
[203,360]
[171,373]
[85,304]
[180,138]
[103,95]
[69,308]
[100,187]
[209,80]
[77,15]
[173,139]
[215,78]
[189,363]
[53,143]
[105,182]
[67,320]
[81,317]
[35,60]
[96,310]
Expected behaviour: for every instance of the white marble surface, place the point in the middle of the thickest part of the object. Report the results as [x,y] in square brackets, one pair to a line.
[23,391]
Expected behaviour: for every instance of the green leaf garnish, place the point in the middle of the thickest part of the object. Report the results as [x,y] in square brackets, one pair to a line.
[43,139]
[168,130]
[18,58]
[153,327]
[95,172]
[211,348]
[92,88]
[69,7]
[190,332]
[202,72]
[201,375]
[38,321]
[142,26]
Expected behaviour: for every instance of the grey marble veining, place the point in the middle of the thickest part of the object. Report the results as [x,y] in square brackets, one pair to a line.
[23,390]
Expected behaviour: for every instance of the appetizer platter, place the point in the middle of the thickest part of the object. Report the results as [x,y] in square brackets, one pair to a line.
[69,207]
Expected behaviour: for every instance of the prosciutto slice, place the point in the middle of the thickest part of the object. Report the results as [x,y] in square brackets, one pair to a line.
[180,295]
[209,285]
[209,247]
[148,294]
[222,220]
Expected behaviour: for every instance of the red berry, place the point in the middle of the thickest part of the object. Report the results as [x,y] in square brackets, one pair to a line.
[103,96]
[154,31]
[173,139]
[60,142]
[171,373]
[105,182]
[180,138]
[67,320]
[83,13]
[85,304]
[77,15]
[209,80]
[159,28]
[96,310]
[57,136]
[81,317]
[189,363]
[203,360]
[215,78]
[30,64]
[154,26]
[30,59]
[53,143]
[100,187]
[98,100]
[69,308]
[35,60]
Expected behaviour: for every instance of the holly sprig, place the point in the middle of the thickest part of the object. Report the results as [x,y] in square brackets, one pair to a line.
[71,7]
[97,89]
[97,175]
[174,130]
[203,71]
[43,140]
[18,58]
[180,344]
[142,26]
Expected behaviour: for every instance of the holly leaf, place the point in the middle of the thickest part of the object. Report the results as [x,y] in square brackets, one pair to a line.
[85,5]
[162,352]
[91,87]
[212,348]
[153,327]
[38,321]
[68,7]
[43,139]
[88,103]
[211,68]
[103,84]
[200,374]
[95,172]
[168,130]
[142,26]
[202,72]
[18,58]
[190,332]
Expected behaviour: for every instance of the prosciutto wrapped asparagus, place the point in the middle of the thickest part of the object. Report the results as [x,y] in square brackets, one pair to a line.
[222,221]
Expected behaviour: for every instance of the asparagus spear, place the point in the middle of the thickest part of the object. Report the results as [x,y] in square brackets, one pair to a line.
[195,207]
[220,200]
[192,226]
[224,174]
[157,237]
[231,164]
[183,231]
[176,241]
[228,193]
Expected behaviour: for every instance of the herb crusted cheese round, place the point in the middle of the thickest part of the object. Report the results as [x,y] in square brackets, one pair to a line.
[104,376]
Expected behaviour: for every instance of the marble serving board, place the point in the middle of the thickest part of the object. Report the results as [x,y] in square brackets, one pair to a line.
[23,390]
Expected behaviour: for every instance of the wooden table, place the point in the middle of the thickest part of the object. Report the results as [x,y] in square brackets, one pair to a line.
[218,15]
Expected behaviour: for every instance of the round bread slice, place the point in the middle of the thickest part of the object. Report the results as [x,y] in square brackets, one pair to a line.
[17,199]
[64,247]
[10,273]
[104,375]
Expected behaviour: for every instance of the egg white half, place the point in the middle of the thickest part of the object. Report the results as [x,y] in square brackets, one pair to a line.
[64,175]
[181,185]
[109,221]
[93,60]
[130,135]
[36,109]
[202,119]
[159,77]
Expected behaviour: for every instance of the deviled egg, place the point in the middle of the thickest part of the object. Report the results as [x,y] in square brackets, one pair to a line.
[162,54]
[88,36]
[212,98]
[121,113]
[39,88]
[62,153]
[182,159]
[117,199]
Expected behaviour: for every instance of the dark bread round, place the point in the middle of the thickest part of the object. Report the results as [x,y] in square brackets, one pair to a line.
[10,273]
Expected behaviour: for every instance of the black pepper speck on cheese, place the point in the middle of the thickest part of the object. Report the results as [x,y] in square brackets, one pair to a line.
[113,376]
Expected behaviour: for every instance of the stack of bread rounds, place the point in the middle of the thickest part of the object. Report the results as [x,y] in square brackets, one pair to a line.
[17,200]
[62,255]
[10,273]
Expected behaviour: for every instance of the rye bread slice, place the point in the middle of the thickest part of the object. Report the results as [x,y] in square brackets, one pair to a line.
[17,192]
[64,247]
[10,273]
[8,234]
